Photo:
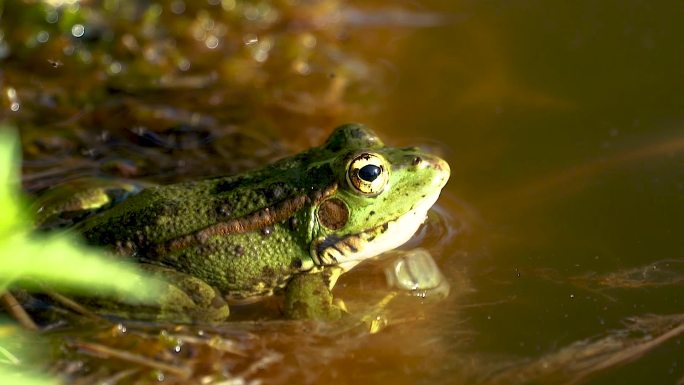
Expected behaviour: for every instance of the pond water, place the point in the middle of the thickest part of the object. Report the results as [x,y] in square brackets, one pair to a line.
[563,127]
[560,228]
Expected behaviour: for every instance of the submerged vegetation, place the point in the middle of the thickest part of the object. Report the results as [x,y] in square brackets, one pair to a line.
[29,260]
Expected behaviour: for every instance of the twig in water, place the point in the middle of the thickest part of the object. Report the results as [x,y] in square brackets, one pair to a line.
[181,371]
[14,308]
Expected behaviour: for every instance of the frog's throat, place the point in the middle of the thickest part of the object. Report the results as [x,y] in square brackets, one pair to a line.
[347,251]
[257,220]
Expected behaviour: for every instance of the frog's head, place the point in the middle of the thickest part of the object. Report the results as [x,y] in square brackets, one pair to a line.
[382,197]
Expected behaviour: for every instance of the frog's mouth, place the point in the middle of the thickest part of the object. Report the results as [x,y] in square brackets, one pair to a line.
[346,252]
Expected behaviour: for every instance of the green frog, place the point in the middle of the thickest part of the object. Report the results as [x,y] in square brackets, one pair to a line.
[292,227]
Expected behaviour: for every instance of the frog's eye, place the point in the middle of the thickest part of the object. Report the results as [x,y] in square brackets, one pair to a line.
[368,173]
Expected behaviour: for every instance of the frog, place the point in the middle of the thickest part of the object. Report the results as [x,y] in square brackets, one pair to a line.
[289,228]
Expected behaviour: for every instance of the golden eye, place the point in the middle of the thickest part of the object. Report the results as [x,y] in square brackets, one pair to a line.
[368,173]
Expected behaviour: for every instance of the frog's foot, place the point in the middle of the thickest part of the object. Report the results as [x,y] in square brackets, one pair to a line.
[183,298]
[186,297]
[308,296]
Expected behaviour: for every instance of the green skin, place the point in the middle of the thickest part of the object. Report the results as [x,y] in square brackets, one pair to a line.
[292,226]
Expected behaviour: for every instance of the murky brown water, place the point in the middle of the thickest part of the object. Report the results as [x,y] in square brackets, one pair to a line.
[559,231]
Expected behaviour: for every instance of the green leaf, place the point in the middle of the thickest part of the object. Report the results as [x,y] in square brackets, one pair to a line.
[10,377]
[56,260]
[17,349]
[60,262]
[9,180]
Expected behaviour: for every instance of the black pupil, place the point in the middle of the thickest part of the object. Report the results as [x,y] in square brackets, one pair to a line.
[369,172]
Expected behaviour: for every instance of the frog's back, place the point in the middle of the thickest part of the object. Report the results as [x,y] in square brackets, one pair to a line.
[162,213]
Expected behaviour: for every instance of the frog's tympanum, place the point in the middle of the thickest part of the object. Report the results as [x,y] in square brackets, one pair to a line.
[290,227]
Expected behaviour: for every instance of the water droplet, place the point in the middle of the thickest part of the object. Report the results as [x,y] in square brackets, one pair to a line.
[228,5]
[77,30]
[301,67]
[121,328]
[251,13]
[261,55]
[309,41]
[52,16]
[12,97]
[212,42]
[43,36]
[115,68]
[250,39]
[178,7]
[183,64]
[55,63]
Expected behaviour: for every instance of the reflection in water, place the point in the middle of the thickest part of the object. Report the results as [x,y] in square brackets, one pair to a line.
[657,274]
[579,361]
[571,180]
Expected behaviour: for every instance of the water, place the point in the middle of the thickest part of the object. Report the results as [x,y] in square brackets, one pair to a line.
[563,127]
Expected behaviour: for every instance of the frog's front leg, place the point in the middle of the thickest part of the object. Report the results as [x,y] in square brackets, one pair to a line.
[309,296]
[183,298]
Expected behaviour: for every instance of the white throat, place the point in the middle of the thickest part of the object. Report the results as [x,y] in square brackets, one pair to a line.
[398,232]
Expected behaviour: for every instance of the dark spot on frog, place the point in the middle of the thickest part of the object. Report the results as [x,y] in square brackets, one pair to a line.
[170,209]
[297,264]
[268,272]
[239,250]
[276,191]
[228,185]
[333,213]
[266,230]
[356,132]
[371,213]
[321,174]
[224,210]
[417,160]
